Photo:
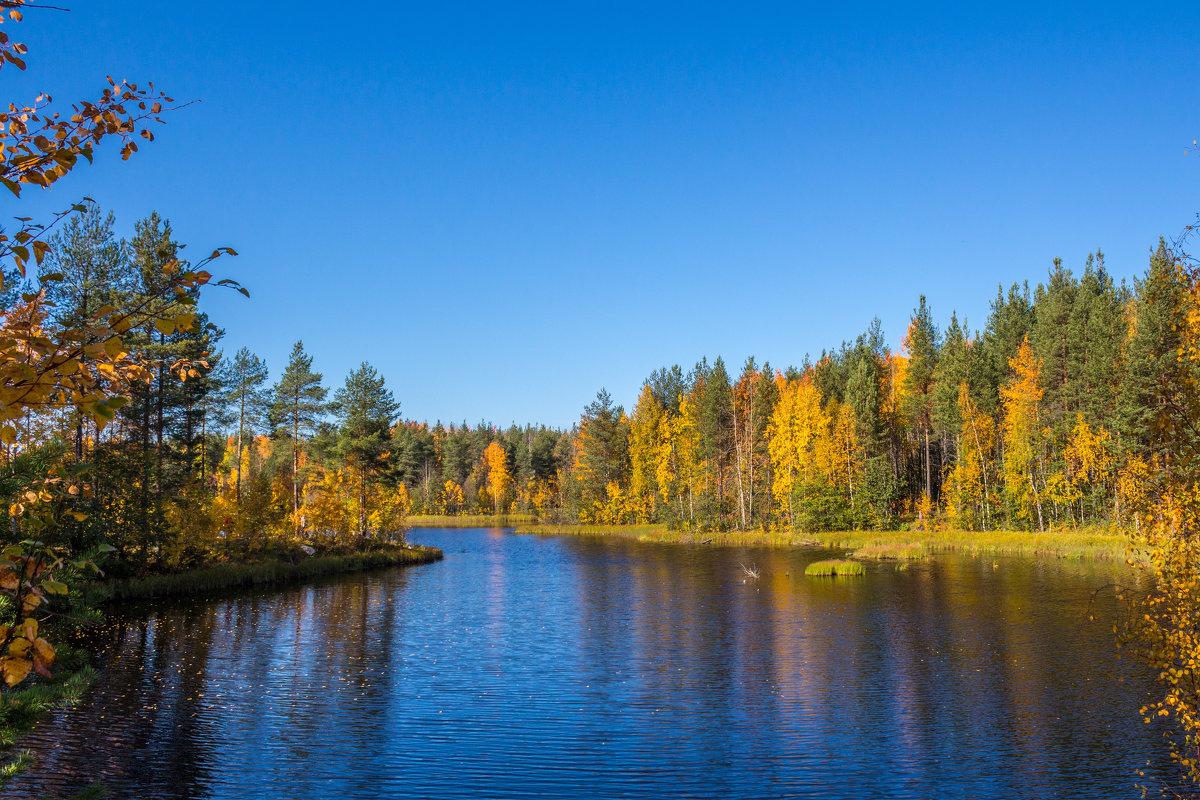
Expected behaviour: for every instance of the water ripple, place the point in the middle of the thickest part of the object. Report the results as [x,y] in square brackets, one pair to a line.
[559,667]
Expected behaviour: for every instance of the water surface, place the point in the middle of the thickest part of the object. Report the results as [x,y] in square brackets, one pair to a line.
[527,666]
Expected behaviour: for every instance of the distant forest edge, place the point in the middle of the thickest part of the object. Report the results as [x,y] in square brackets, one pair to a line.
[1045,418]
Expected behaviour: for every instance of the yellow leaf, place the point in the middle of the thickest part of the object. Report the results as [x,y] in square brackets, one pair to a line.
[45,651]
[14,670]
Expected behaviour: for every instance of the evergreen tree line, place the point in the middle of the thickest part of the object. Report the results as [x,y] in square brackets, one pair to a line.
[1045,418]
[225,462]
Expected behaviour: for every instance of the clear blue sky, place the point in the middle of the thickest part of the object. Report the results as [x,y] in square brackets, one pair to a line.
[504,208]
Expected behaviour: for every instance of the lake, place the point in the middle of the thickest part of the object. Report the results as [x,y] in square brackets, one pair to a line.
[526,666]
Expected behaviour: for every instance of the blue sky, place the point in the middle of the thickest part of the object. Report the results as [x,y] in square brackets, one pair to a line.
[504,208]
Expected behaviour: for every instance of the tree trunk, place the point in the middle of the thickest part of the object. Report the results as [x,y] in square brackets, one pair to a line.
[237,492]
[928,474]
[296,463]
[158,433]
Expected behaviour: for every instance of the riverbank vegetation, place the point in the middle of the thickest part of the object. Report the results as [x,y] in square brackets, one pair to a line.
[468,520]
[266,572]
[1041,422]
[834,567]
[1088,543]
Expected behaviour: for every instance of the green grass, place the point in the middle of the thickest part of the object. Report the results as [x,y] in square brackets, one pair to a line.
[468,520]
[891,552]
[1100,543]
[641,532]
[834,566]
[218,577]
[1087,543]
[663,535]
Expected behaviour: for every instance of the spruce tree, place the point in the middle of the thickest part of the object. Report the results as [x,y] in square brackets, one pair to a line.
[716,438]
[953,370]
[1050,338]
[922,342]
[1009,322]
[1149,380]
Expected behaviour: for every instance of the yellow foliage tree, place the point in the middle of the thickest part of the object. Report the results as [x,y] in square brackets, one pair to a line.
[1089,460]
[389,509]
[970,490]
[1021,398]
[498,479]
[645,429]
[450,499]
[796,427]
[678,469]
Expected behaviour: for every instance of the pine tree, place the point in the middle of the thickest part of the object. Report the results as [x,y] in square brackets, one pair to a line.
[602,450]
[249,401]
[365,409]
[298,403]
[1096,329]
[95,273]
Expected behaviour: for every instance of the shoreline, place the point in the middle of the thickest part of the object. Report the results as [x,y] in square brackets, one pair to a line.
[214,578]
[23,708]
[1090,543]
[469,521]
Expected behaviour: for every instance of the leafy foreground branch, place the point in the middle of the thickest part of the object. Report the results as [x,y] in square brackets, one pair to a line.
[1162,628]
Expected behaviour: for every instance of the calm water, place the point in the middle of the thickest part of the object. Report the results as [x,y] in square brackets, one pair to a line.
[564,667]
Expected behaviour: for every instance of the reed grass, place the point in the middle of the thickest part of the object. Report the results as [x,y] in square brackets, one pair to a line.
[834,567]
[218,577]
[469,520]
[1099,543]
[891,552]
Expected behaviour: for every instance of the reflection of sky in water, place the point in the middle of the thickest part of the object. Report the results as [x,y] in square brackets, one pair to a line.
[525,666]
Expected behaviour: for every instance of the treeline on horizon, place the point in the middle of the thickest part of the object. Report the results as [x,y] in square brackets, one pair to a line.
[1042,419]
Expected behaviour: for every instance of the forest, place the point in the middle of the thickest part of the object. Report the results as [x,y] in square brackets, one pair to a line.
[134,446]
[1045,419]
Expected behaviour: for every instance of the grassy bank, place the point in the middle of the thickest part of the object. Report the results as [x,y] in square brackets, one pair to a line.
[469,521]
[1088,543]
[219,577]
